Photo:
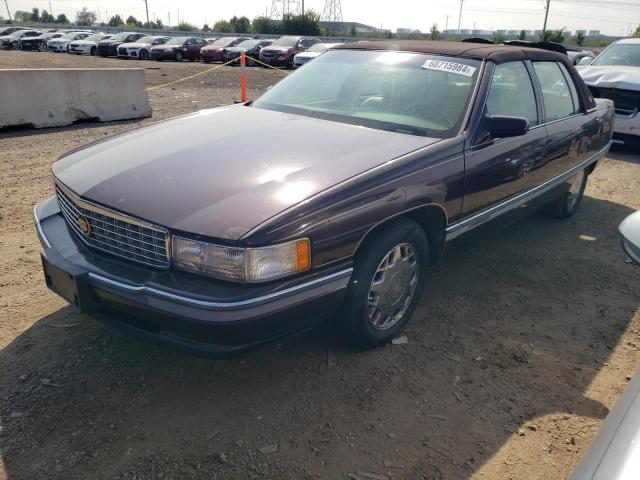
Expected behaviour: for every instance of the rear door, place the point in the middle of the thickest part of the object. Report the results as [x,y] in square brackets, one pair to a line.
[569,139]
[498,168]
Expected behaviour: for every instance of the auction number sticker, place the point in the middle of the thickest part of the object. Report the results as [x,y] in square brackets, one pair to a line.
[453,67]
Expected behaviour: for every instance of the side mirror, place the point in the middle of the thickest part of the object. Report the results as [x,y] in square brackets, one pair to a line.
[585,61]
[630,235]
[503,126]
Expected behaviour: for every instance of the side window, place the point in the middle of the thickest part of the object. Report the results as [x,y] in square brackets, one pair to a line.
[511,93]
[555,91]
[572,88]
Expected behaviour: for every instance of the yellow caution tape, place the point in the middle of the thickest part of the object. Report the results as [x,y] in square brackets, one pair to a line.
[193,76]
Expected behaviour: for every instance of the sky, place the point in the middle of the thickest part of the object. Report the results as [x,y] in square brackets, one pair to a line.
[616,17]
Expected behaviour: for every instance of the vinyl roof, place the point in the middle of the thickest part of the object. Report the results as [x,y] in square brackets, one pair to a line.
[478,51]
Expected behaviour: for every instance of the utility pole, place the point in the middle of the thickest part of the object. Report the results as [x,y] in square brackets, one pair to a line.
[8,11]
[50,9]
[446,24]
[146,6]
[178,16]
[169,19]
[460,16]
[546,16]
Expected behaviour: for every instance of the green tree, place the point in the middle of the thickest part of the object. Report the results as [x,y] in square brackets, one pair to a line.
[62,18]
[580,39]
[296,25]
[35,15]
[434,34]
[497,38]
[46,17]
[240,25]
[133,22]
[186,27]
[522,35]
[222,26]
[557,36]
[157,25]
[353,31]
[636,34]
[116,21]
[85,18]
[263,24]
[22,16]
[206,28]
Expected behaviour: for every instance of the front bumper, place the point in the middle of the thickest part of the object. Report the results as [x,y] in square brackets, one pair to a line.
[129,52]
[626,129]
[188,312]
[211,56]
[29,45]
[162,54]
[107,51]
[276,61]
[57,48]
[81,49]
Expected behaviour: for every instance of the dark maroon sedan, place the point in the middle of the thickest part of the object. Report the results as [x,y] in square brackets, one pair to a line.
[185,233]
[214,52]
[178,49]
[281,52]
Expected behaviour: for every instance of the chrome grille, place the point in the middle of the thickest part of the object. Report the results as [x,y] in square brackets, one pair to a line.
[114,233]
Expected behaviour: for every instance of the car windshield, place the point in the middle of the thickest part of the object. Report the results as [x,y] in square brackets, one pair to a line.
[223,41]
[120,36]
[95,38]
[248,44]
[285,42]
[176,41]
[627,54]
[146,39]
[401,92]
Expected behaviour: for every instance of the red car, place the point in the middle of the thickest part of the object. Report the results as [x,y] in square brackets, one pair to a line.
[178,49]
[282,51]
[214,52]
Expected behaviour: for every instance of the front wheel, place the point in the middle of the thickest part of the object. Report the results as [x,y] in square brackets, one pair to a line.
[42,47]
[179,56]
[144,55]
[390,272]
[93,51]
[566,204]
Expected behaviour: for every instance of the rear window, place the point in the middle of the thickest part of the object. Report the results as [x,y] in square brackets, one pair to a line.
[408,93]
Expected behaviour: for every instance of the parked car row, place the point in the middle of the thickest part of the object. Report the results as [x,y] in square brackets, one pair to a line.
[286,51]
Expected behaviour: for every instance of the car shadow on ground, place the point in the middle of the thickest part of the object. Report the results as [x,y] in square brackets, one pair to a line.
[512,329]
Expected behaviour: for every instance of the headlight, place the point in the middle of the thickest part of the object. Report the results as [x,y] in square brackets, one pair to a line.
[242,264]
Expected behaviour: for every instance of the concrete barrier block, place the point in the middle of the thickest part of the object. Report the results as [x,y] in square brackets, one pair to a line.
[58,97]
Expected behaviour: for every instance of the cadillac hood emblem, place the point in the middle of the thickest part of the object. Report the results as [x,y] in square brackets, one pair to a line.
[85,226]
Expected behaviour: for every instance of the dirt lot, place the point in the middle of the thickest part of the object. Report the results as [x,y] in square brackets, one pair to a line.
[516,352]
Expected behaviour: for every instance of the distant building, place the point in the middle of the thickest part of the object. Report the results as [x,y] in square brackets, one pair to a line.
[593,33]
[343,28]
[583,32]
[407,31]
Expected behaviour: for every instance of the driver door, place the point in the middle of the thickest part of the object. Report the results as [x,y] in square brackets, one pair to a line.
[498,168]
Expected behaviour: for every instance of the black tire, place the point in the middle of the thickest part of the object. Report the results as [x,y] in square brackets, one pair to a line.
[144,55]
[93,51]
[357,311]
[179,56]
[42,47]
[207,61]
[568,202]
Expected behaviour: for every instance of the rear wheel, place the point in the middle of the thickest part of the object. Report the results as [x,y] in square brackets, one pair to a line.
[179,56]
[93,50]
[42,47]
[144,55]
[390,272]
[567,203]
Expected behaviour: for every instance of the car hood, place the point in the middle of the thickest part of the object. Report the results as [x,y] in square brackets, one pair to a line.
[26,39]
[308,54]
[109,42]
[276,49]
[221,172]
[212,48]
[135,45]
[611,76]
[83,42]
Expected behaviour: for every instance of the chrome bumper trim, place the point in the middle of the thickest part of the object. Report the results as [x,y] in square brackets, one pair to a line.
[41,235]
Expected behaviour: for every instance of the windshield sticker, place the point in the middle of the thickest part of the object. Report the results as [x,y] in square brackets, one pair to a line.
[453,67]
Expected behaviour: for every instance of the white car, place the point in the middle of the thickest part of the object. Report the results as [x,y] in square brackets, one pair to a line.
[62,43]
[615,74]
[313,51]
[13,40]
[140,48]
[88,45]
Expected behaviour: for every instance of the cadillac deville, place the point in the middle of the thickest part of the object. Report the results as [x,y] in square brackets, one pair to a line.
[185,233]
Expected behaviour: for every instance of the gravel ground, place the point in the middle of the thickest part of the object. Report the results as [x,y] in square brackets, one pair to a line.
[517,350]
